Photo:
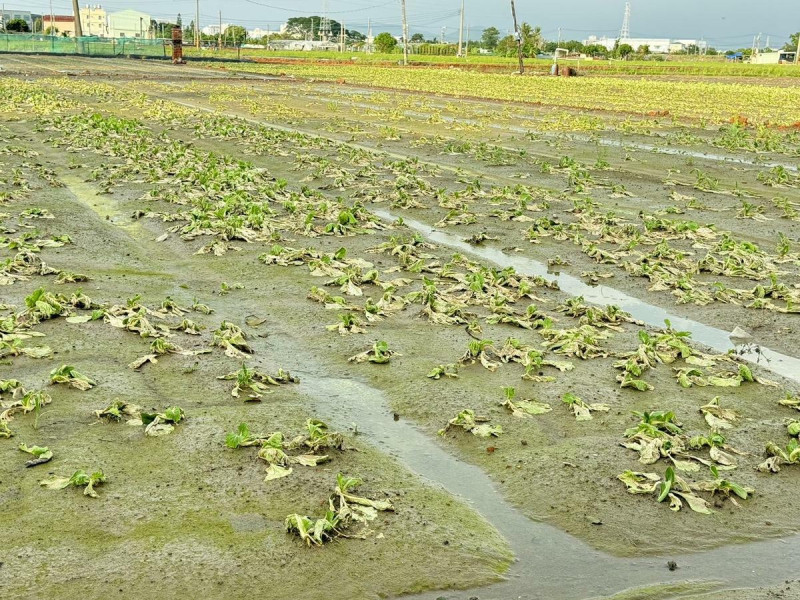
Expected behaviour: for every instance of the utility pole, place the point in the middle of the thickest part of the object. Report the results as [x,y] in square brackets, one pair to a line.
[405,34]
[461,32]
[219,33]
[52,20]
[344,37]
[797,54]
[76,10]
[197,25]
[519,39]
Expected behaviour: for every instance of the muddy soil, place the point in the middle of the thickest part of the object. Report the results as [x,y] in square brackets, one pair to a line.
[184,502]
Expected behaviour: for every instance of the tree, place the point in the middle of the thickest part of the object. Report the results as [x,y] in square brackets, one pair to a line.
[164,30]
[417,38]
[301,27]
[624,51]
[792,45]
[51,31]
[179,21]
[17,26]
[37,25]
[596,50]
[532,42]
[236,33]
[571,45]
[490,38]
[644,50]
[385,42]
[507,46]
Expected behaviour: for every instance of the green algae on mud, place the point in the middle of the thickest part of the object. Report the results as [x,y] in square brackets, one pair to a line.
[666,591]
[789,590]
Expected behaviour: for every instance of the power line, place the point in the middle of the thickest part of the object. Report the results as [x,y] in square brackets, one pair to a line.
[305,12]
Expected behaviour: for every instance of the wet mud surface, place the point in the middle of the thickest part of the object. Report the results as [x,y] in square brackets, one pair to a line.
[546,490]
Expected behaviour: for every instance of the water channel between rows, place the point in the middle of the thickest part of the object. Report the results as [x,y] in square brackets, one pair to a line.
[717,339]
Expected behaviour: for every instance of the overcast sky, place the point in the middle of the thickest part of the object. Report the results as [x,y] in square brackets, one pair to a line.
[725,23]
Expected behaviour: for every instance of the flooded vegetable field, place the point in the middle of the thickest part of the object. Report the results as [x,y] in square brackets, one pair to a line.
[326,338]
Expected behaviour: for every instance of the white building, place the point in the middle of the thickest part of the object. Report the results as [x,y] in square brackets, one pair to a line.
[129,24]
[701,44]
[215,29]
[94,21]
[305,45]
[14,15]
[656,45]
[258,33]
[772,58]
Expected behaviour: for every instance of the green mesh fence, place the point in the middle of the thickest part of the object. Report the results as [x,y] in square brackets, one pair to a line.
[87,46]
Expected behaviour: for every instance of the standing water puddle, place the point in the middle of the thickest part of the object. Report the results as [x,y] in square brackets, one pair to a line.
[551,564]
[787,366]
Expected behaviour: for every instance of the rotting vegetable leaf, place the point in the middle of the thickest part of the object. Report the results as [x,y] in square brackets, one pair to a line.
[118,409]
[778,456]
[639,483]
[477,426]
[379,354]
[582,410]
[163,423]
[344,508]
[242,438]
[70,376]
[717,417]
[41,454]
[523,408]
[232,339]
[255,383]
[449,371]
[79,479]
